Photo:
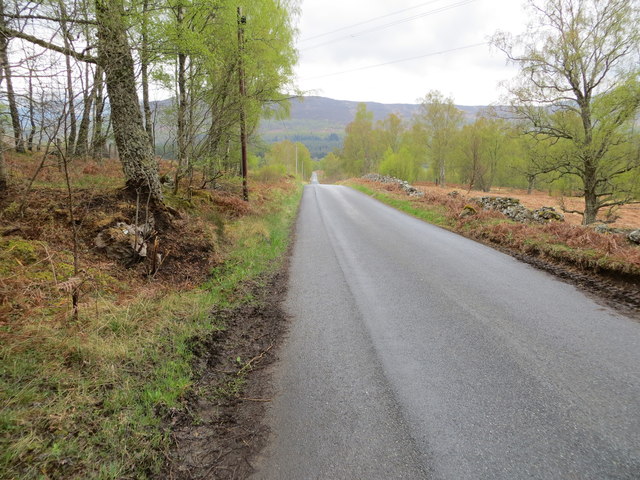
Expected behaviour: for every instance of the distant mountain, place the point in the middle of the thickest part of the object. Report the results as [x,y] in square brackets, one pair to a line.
[319,121]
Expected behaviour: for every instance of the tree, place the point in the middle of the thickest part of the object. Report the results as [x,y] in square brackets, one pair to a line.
[295,158]
[401,164]
[116,59]
[5,73]
[332,167]
[138,162]
[578,87]
[471,144]
[390,132]
[440,119]
[360,152]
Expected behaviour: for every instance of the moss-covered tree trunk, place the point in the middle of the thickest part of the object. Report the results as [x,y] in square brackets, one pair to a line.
[134,148]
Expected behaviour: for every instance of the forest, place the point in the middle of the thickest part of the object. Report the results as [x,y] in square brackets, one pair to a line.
[72,73]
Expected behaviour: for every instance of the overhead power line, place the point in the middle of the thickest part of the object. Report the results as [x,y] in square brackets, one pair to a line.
[392,24]
[368,21]
[432,54]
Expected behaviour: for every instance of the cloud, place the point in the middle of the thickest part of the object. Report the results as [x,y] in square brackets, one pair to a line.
[470,75]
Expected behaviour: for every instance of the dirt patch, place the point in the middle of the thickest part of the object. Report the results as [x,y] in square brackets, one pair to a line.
[189,245]
[221,429]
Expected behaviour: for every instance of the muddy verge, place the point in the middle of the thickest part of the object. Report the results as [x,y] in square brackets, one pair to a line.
[222,428]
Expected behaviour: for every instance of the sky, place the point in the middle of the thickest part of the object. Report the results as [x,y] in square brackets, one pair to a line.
[340,42]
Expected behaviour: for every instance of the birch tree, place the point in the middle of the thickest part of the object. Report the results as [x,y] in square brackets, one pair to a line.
[578,86]
[441,120]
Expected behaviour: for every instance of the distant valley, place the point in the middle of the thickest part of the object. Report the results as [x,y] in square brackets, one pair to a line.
[319,122]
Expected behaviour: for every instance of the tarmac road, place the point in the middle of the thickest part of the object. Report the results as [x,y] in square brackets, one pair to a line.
[416,353]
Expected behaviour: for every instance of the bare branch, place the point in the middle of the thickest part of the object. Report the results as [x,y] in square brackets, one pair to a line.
[48,45]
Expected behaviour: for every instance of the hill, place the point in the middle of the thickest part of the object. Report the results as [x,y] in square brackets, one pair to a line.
[319,122]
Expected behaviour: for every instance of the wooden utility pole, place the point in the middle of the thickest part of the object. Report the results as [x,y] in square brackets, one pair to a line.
[243,127]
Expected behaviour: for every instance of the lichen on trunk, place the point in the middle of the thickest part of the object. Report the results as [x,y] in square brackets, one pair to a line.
[134,148]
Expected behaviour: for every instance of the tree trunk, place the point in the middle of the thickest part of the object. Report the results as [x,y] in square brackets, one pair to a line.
[182,109]
[66,36]
[32,114]
[98,139]
[591,206]
[590,171]
[182,128]
[441,173]
[138,162]
[144,74]
[82,142]
[4,175]
[5,71]
[531,182]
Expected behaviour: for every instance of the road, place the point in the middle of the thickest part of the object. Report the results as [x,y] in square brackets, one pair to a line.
[416,353]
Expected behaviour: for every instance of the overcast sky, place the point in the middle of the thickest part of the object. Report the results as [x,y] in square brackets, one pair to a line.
[406,29]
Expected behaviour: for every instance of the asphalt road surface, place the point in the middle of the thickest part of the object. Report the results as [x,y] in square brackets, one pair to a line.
[416,353]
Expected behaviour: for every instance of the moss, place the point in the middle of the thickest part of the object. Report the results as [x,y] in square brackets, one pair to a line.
[18,249]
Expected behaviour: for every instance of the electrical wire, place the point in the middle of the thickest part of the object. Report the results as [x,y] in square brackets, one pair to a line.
[368,21]
[432,54]
[391,24]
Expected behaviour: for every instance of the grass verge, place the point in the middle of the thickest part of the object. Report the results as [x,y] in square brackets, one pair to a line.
[86,398]
[434,214]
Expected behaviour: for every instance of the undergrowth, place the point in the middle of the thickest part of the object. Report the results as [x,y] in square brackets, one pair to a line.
[572,245]
[85,398]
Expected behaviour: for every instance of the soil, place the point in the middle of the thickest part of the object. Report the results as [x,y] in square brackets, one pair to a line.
[189,255]
[216,435]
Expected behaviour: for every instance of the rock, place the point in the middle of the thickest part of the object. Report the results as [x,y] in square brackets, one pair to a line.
[604,228]
[467,211]
[125,242]
[508,206]
[453,193]
[634,237]
[408,189]
[547,214]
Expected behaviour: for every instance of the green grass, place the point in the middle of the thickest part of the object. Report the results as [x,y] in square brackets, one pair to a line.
[433,214]
[86,399]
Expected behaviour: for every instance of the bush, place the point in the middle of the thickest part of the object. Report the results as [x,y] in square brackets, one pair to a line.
[270,173]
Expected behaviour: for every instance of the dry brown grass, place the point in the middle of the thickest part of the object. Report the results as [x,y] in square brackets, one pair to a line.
[628,216]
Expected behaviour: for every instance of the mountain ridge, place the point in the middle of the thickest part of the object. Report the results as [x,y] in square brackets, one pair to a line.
[320,122]
[333,115]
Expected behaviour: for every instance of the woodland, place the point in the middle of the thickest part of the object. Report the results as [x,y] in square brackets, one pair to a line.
[116,262]
[72,72]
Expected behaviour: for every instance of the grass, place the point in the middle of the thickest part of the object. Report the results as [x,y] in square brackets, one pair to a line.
[434,214]
[86,398]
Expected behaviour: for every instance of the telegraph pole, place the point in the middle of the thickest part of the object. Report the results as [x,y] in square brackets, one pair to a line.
[296,159]
[243,127]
